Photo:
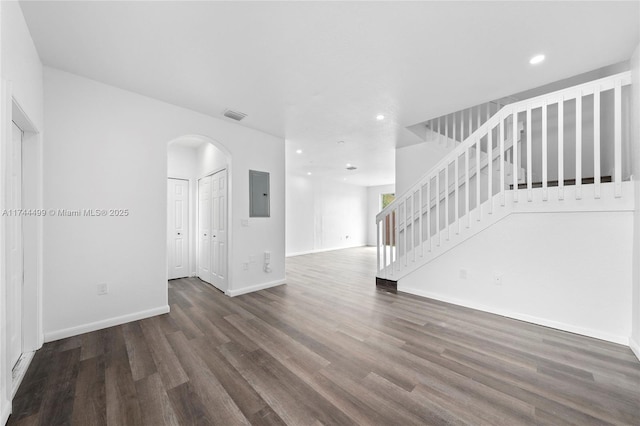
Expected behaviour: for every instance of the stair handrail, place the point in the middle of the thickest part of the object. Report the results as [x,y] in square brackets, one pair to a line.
[584,89]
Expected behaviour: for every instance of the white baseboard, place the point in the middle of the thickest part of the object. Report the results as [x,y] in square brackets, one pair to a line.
[5,412]
[253,288]
[23,365]
[635,347]
[99,325]
[302,253]
[623,340]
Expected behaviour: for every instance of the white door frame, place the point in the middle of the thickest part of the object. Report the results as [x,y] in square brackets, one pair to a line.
[32,333]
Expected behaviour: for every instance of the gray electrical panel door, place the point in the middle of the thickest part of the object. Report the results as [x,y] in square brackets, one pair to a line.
[258,194]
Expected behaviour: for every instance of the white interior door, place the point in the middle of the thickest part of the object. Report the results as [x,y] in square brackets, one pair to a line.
[219,230]
[204,229]
[14,262]
[178,228]
[212,229]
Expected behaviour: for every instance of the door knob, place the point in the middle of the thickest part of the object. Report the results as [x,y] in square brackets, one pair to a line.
[205,235]
[179,233]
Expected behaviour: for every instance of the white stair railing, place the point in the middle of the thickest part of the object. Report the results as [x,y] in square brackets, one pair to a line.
[457,126]
[471,187]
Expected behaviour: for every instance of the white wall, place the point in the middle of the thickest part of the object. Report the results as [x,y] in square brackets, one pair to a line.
[635,167]
[181,161]
[414,161]
[374,204]
[324,215]
[21,67]
[107,148]
[209,160]
[570,271]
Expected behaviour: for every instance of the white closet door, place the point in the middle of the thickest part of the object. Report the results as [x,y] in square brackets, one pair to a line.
[178,228]
[219,230]
[204,229]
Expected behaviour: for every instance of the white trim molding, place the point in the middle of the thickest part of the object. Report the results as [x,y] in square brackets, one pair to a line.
[623,340]
[109,322]
[302,253]
[257,287]
[5,412]
[635,347]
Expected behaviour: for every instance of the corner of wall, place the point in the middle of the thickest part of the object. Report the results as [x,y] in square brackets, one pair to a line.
[635,347]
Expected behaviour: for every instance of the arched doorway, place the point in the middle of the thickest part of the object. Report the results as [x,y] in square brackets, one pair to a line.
[198,208]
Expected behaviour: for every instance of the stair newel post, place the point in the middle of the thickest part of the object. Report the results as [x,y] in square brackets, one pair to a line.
[514,149]
[437,212]
[456,196]
[501,148]
[617,138]
[383,248]
[579,145]
[561,148]
[466,185]
[478,179]
[596,142]
[378,241]
[545,191]
[490,170]
[529,162]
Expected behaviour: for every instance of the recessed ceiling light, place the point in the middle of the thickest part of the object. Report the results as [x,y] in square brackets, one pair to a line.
[298,151]
[536,59]
[379,117]
[340,142]
[309,173]
[348,164]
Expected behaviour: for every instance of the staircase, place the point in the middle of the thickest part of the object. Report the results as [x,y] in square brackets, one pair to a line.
[562,151]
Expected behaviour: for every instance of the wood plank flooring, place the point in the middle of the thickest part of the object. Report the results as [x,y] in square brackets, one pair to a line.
[327,348]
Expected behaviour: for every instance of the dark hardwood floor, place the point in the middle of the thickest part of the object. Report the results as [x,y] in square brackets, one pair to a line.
[327,348]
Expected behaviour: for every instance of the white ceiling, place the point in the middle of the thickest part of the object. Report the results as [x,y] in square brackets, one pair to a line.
[316,73]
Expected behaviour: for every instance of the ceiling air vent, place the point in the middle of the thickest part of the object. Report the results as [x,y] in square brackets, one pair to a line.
[351,168]
[234,115]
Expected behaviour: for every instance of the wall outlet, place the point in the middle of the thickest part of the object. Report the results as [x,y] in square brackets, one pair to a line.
[102,289]
[497,278]
[245,266]
[463,274]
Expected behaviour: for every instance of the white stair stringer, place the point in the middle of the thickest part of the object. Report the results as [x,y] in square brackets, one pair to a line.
[470,225]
